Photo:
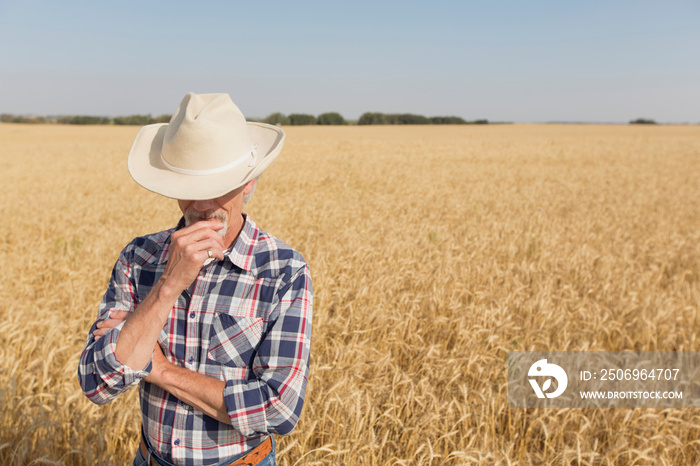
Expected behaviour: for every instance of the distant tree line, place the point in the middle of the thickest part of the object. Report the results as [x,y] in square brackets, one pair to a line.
[141,120]
[369,118]
[83,120]
[9,118]
[411,119]
[297,119]
[138,120]
[643,121]
[294,119]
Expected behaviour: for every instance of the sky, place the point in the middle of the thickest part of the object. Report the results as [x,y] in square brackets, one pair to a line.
[539,61]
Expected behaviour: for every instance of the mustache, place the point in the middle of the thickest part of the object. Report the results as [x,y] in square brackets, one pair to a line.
[192,216]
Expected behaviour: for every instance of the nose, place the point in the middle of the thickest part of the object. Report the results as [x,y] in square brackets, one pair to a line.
[203,206]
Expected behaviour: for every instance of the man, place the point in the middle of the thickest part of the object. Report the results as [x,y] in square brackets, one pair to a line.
[212,318]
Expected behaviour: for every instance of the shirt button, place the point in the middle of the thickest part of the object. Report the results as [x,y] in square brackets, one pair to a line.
[191,315]
[190,361]
[177,442]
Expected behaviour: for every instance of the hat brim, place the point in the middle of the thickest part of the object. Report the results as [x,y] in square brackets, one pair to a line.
[148,170]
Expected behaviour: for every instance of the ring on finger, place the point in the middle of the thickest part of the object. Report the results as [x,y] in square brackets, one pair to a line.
[211,254]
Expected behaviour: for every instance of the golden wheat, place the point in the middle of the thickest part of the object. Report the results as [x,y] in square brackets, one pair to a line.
[434,251]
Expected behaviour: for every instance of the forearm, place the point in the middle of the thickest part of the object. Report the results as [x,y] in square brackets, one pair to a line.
[198,390]
[140,332]
[266,411]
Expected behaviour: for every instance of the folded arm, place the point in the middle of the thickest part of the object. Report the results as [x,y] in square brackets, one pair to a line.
[270,403]
[122,356]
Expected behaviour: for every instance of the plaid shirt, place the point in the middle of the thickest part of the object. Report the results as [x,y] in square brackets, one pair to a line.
[245,320]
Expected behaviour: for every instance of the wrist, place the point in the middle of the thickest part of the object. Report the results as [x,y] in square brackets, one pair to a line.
[166,293]
[166,375]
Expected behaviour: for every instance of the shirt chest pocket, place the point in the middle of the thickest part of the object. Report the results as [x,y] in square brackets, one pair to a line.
[233,341]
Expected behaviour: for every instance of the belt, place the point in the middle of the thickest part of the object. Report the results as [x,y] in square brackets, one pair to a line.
[253,457]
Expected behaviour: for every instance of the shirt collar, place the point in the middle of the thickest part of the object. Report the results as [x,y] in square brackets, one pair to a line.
[241,254]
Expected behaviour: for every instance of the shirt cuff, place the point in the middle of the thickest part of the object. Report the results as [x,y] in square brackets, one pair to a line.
[111,371]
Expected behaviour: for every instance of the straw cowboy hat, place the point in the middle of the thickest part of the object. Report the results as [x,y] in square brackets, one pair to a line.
[207,150]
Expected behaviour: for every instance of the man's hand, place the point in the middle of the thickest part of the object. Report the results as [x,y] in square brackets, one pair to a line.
[189,248]
[115,318]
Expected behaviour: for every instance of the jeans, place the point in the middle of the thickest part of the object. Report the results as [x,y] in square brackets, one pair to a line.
[269,460]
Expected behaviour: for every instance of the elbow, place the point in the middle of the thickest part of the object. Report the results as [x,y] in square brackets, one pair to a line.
[91,383]
[92,390]
[285,425]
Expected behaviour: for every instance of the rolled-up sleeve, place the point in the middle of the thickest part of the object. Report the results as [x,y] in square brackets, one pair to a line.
[102,377]
[272,403]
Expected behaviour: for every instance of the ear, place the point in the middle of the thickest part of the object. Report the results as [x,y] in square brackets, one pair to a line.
[250,186]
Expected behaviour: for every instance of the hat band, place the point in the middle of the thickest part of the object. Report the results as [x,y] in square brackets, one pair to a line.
[253,152]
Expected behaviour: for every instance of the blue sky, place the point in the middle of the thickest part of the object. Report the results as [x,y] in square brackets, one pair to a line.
[605,61]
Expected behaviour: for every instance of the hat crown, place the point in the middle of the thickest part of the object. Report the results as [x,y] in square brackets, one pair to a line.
[207,132]
[206,151]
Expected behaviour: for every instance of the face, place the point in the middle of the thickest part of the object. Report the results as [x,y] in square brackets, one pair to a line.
[227,208]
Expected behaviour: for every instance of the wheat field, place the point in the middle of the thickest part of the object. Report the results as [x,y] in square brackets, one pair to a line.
[434,251]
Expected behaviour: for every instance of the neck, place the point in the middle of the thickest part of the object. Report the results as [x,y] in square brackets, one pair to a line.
[234,229]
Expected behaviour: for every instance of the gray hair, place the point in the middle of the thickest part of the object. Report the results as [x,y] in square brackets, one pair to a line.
[246,197]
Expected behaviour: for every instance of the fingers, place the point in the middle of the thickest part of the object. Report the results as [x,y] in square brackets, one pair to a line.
[212,223]
[194,249]
[199,251]
[190,248]
[199,230]
[120,315]
[202,238]
[114,318]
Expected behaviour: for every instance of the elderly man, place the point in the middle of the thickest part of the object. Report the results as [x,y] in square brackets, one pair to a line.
[212,318]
